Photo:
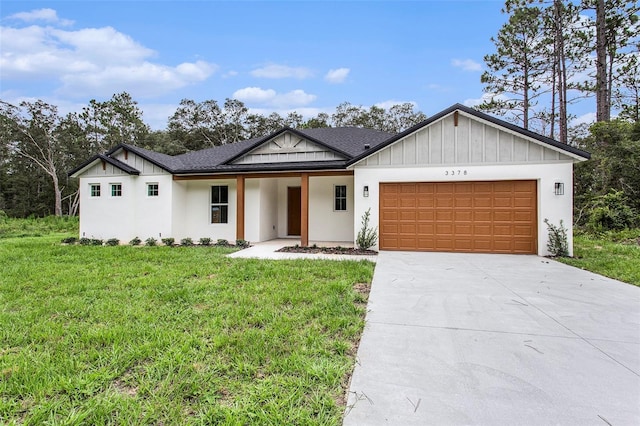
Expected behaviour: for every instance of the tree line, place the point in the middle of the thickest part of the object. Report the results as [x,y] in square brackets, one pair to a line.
[551,54]
[38,145]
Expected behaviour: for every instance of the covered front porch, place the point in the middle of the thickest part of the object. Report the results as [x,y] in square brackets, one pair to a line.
[307,206]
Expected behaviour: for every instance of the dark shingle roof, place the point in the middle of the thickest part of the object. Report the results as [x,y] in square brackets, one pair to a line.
[351,140]
[347,141]
[209,158]
[352,143]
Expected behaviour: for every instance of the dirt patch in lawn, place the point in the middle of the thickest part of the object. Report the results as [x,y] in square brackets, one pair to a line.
[328,250]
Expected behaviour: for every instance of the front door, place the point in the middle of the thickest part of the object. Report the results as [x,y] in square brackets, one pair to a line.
[293,210]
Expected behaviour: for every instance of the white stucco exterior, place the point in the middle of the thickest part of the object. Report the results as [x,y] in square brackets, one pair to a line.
[459,145]
[550,206]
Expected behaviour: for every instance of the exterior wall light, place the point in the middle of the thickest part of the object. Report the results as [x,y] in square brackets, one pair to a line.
[365,191]
[558,188]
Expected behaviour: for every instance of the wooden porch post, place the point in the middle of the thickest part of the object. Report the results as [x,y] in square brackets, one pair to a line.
[304,209]
[240,207]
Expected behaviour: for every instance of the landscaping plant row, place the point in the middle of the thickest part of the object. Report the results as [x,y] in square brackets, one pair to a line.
[150,242]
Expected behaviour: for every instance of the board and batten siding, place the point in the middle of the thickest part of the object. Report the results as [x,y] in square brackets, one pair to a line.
[471,142]
[99,170]
[288,148]
[145,167]
[105,169]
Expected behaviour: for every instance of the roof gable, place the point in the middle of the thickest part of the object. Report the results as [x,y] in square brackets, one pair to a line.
[461,135]
[102,165]
[288,146]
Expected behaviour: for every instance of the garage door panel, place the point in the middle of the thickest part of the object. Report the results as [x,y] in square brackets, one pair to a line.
[462,202]
[405,215]
[444,228]
[389,203]
[442,201]
[502,202]
[503,216]
[426,243]
[426,229]
[482,202]
[463,229]
[407,228]
[462,216]
[426,215]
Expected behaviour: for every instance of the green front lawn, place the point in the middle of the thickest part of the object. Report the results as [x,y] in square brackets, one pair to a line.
[615,256]
[160,335]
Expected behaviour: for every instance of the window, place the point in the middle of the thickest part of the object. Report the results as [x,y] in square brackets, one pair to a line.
[340,203]
[116,190]
[219,204]
[152,189]
[95,189]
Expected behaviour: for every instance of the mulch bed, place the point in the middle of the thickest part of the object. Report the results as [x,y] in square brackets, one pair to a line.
[328,250]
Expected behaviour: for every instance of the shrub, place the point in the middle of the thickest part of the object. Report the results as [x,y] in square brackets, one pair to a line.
[96,242]
[135,241]
[242,243]
[367,237]
[611,212]
[150,242]
[69,240]
[205,241]
[168,241]
[186,242]
[222,242]
[84,241]
[557,245]
[112,242]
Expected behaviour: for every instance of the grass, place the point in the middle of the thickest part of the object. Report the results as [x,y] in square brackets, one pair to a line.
[614,254]
[37,227]
[160,335]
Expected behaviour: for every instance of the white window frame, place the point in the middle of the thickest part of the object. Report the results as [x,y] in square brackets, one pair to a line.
[116,189]
[337,198]
[95,194]
[220,204]
[157,189]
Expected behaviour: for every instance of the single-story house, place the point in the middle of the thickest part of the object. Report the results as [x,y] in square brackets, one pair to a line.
[460,181]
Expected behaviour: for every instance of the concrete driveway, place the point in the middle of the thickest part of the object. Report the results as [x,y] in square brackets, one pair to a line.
[495,339]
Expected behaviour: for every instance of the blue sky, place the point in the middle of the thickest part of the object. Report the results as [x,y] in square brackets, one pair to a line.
[306,56]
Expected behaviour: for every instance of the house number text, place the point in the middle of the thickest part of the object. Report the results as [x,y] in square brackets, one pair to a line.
[455,172]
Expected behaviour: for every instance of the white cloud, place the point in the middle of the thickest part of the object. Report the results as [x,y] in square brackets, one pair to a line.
[230,74]
[254,94]
[282,71]
[145,79]
[43,15]
[466,64]
[390,103]
[294,98]
[587,118]
[270,97]
[472,102]
[337,76]
[92,62]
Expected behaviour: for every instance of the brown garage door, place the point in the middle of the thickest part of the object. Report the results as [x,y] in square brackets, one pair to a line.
[488,217]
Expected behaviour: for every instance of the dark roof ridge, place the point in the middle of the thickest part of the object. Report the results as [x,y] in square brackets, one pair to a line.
[278,133]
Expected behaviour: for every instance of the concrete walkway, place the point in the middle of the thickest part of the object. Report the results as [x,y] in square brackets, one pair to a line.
[495,339]
[268,250]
